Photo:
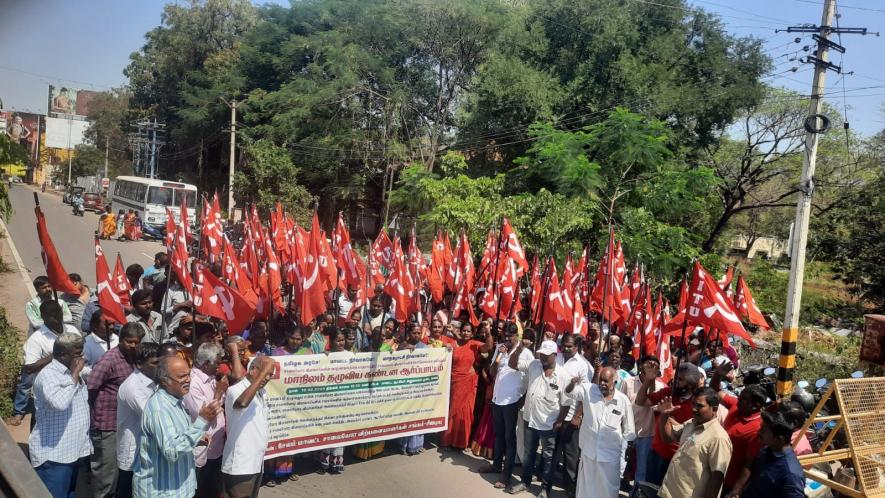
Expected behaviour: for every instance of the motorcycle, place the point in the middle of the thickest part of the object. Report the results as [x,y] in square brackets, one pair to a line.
[152,232]
[77,209]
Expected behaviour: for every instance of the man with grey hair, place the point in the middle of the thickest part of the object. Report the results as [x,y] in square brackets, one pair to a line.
[165,462]
[606,428]
[246,406]
[132,396]
[205,389]
[59,444]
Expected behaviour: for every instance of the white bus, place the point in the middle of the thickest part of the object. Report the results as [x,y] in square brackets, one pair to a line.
[150,198]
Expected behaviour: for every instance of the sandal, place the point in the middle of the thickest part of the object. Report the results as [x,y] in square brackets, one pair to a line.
[293,477]
[271,483]
[500,485]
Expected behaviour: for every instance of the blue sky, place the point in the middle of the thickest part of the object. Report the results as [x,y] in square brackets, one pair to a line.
[86,44]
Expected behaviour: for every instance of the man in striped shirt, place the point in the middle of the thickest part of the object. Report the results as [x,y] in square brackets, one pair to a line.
[165,464]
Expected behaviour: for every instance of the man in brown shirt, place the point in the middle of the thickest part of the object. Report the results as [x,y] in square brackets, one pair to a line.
[699,466]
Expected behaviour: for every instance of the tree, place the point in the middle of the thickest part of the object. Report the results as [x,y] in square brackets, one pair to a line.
[109,117]
[261,181]
[169,74]
[10,153]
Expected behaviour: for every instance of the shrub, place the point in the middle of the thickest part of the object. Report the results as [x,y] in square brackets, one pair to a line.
[10,362]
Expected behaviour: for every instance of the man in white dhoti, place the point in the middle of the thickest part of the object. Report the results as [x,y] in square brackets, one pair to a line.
[606,428]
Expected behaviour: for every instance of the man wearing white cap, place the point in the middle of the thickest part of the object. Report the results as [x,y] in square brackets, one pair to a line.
[545,399]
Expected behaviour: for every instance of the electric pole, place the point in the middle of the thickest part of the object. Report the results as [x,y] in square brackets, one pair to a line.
[233,150]
[815,124]
[107,147]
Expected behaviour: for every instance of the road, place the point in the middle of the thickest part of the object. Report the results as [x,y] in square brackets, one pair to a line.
[73,236]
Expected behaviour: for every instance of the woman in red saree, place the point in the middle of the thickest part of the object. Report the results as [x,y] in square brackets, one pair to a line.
[465,357]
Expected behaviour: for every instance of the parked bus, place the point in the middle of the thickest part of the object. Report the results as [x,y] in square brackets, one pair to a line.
[150,198]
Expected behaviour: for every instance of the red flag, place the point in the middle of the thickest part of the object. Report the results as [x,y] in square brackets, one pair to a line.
[214,298]
[120,283]
[537,289]
[352,266]
[462,268]
[725,283]
[663,353]
[108,300]
[437,270]
[510,242]
[274,276]
[178,258]
[555,313]
[230,270]
[579,320]
[170,229]
[746,305]
[487,263]
[399,285]
[312,298]
[210,232]
[708,306]
[383,250]
[185,224]
[55,272]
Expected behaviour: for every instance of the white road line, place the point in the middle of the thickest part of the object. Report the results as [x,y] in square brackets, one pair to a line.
[148,256]
[18,261]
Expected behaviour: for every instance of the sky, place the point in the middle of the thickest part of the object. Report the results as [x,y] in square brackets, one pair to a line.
[86,44]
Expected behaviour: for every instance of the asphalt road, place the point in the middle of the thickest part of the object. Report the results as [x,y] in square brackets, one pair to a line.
[73,236]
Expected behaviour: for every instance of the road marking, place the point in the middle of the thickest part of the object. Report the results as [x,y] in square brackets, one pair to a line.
[18,260]
[148,256]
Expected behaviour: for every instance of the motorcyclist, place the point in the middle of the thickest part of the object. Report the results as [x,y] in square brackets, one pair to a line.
[77,202]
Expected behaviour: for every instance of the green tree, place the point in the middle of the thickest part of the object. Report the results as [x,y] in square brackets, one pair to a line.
[109,116]
[265,180]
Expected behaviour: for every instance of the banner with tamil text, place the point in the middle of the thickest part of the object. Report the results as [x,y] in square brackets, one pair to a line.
[339,399]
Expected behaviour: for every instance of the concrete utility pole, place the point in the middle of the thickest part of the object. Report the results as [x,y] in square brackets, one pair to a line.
[70,150]
[233,154]
[107,146]
[815,124]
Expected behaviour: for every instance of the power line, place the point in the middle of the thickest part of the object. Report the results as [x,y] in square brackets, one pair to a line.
[852,7]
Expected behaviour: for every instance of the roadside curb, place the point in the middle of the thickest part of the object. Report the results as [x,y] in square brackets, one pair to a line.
[23,271]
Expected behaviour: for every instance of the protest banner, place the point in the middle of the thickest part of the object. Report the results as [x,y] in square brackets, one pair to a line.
[321,401]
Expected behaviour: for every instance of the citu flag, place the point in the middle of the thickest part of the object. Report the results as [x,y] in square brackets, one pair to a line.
[170,229]
[108,300]
[436,280]
[536,287]
[55,272]
[579,319]
[214,298]
[185,223]
[399,285]
[348,261]
[487,262]
[746,305]
[555,315]
[510,243]
[211,232]
[120,283]
[230,270]
[178,259]
[383,250]
[708,307]
[312,298]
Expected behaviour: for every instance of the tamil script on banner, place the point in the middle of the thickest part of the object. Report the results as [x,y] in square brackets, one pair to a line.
[339,399]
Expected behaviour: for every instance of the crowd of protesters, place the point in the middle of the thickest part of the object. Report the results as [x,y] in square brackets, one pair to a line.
[171,404]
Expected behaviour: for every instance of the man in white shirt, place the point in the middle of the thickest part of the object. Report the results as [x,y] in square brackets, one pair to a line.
[606,428]
[101,340]
[545,399]
[509,365]
[59,443]
[38,354]
[567,448]
[132,395]
[242,463]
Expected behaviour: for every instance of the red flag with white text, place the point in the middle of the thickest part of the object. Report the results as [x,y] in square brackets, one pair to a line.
[108,300]
[55,272]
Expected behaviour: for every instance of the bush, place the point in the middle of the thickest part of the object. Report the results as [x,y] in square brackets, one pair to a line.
[10,363]
[825,300]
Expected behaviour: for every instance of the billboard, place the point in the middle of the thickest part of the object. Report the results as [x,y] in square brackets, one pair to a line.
[64,133]
[22,128]
[69,102]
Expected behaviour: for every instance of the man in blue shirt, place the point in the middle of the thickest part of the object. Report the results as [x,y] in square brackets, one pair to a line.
[776,472]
